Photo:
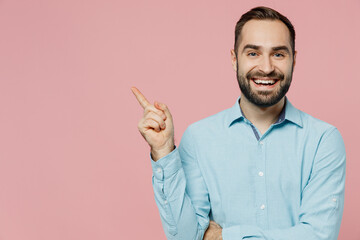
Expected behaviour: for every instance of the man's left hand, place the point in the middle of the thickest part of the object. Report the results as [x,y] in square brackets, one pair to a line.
[214,232]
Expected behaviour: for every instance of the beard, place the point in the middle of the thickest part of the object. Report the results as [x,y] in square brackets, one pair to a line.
[264,98]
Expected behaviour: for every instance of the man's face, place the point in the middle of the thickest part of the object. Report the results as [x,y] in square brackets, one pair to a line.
[264,62]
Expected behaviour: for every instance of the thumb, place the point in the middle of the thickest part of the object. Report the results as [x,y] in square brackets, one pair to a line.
[163,107]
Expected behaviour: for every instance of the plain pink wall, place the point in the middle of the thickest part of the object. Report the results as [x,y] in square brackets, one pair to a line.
[72,163]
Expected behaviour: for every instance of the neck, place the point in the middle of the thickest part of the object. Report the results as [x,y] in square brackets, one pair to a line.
[261,117]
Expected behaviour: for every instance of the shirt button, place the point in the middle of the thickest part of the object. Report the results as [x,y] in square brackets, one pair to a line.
[165,202]
[261,142]
[262,207]
[334,199]
[261,174]
[158,170]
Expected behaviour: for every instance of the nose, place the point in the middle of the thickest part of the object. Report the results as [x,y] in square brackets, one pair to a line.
[266,65]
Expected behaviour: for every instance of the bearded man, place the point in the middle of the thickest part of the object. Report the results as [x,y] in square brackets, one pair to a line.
[261,169]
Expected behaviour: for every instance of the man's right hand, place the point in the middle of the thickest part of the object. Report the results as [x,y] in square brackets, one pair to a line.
[156,126]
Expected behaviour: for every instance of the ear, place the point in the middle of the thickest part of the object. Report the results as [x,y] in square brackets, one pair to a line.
[233,59]
[294,58]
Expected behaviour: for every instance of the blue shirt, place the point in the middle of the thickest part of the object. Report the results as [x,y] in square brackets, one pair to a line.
[287,184]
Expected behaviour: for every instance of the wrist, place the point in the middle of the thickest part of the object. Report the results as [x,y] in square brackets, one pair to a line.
[156,154]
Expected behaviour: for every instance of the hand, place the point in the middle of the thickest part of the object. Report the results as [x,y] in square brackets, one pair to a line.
[214,232]
[156,126]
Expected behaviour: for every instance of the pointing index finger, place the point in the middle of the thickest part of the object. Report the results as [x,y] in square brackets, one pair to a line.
[140,97]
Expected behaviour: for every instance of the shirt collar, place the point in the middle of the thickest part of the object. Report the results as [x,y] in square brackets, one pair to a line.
[289,113]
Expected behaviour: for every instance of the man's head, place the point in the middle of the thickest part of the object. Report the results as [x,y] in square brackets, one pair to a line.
[264,55]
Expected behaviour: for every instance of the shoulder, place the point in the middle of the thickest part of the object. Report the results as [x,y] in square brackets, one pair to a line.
[316,125]
[321,131]
[327,142]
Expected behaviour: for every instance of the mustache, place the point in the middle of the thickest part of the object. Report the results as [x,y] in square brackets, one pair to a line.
[274,75]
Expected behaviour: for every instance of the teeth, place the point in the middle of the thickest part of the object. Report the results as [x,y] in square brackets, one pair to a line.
[270,81]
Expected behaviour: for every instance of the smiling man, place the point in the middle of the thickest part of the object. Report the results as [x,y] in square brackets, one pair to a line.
[261,169]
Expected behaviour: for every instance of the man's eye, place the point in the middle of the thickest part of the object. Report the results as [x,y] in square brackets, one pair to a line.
[278,55]
[252,54]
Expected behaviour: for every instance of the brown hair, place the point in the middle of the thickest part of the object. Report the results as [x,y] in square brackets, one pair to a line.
[263,13]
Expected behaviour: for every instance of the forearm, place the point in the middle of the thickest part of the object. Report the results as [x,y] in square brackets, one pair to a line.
[178,216]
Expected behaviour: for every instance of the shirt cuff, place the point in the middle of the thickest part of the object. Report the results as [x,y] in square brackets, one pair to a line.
[166,166]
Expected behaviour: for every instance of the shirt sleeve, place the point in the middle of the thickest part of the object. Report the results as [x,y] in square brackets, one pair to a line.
[182,200]
[322,201]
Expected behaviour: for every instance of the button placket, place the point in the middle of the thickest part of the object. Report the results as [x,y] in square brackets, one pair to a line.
[261,180]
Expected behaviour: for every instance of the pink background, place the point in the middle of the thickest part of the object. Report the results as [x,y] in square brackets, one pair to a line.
[72,163]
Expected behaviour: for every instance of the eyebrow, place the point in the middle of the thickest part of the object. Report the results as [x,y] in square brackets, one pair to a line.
[285,48]
[256,47]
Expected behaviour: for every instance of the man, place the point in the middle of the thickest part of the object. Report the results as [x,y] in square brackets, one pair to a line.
[261,169]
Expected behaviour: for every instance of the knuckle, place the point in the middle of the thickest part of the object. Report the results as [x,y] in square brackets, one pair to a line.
[151,113]
[146,111]
[147,121]
[155,116]
[148,108]
[159,112]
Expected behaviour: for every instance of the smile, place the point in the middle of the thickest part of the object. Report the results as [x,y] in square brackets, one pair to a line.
[264,81]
